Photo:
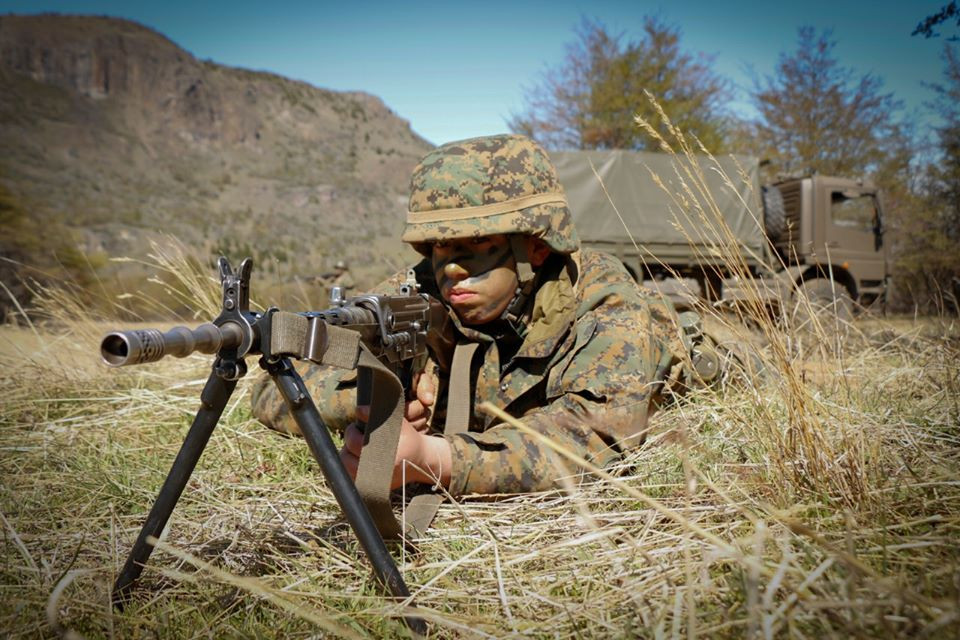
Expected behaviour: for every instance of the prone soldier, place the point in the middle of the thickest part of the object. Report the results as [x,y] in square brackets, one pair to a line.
[339,277]
[557,336]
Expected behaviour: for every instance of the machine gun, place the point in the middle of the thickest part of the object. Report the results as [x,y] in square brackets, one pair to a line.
[383,337]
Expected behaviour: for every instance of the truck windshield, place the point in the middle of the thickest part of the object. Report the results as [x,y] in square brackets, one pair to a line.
[858,211]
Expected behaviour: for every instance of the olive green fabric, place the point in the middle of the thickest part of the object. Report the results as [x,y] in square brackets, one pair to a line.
[666,214]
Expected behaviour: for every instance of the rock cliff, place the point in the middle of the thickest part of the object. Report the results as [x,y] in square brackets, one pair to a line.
[112,135]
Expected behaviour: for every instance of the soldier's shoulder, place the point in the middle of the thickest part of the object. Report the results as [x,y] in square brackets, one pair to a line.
[594,261]
[607,290]
[602,276]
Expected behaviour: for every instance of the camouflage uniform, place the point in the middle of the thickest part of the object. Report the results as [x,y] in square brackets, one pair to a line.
[588,364]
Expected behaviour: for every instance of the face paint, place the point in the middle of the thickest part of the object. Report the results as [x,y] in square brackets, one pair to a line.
[470,259]
[477,276]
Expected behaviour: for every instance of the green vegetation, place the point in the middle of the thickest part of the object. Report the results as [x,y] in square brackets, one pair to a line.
[928,263]
[814,115]
[591,99]
[817,115]
[38,251]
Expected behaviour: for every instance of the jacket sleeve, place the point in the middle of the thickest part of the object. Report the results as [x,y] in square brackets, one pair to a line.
[333,390]
[600,396]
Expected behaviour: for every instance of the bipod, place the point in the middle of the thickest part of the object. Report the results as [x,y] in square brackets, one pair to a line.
[227,369]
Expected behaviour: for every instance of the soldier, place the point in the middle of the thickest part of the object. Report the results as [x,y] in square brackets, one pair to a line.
[339,277]
[566,340]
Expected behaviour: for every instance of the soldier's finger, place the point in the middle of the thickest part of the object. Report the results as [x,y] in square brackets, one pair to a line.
[350,462]
[426,389]
[417,416]
[414,410]
[352,440]
[363,413]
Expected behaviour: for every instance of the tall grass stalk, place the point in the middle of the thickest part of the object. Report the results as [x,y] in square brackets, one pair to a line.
[802,449]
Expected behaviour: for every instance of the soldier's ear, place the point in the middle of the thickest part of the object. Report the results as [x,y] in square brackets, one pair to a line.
[537,251]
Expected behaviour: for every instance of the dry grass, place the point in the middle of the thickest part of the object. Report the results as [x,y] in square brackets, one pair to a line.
[697,533]
[820,501]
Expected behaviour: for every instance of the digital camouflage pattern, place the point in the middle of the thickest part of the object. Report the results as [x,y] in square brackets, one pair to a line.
[492,170]
[587,374]
[598,357]
[334,392]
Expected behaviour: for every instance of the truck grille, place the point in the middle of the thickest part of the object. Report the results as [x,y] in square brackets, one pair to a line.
[792,205]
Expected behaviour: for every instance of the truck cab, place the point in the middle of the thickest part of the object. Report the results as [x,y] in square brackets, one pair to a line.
[833,228]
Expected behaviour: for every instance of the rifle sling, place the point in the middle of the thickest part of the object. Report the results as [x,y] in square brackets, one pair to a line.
[378,387]
[311,339]
[422,508]
[296,335]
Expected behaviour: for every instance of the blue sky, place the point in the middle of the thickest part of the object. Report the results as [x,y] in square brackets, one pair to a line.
[457,70]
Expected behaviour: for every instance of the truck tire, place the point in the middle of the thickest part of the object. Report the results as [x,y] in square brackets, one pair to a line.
[828,300]
[774,213]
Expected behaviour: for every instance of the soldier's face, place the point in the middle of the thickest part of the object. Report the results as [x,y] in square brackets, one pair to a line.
[476,276]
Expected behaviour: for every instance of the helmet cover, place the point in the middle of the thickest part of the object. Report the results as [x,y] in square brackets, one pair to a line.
[502,184]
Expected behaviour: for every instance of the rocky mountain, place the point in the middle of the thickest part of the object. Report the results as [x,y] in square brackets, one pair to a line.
[111,136]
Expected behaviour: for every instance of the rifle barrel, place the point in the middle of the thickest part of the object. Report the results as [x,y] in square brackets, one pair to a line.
[121,348]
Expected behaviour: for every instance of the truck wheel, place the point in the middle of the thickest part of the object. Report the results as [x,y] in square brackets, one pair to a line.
[774,212]
[828,300]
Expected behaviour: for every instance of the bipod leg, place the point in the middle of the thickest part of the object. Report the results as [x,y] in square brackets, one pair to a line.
[305,413]
[213,399]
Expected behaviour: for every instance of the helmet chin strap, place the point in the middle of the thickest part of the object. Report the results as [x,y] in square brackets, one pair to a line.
[526,279]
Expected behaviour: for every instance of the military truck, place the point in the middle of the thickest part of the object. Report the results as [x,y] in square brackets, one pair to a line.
[661,216]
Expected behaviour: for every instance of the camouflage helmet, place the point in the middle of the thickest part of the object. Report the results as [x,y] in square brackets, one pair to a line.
[503,184]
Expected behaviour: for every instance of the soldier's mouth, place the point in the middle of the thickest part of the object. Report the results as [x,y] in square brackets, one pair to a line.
[460,295]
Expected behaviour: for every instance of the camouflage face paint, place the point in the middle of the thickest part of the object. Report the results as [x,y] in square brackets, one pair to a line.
[476,276]
[474,259]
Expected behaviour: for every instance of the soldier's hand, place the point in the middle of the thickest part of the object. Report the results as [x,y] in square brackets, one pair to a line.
[417,411]
[352,446]
[427,457]
[420,457]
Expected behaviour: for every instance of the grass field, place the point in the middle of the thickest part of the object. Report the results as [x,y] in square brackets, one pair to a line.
[820,501]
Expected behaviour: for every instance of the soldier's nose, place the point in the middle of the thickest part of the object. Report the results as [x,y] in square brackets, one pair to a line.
[454,271]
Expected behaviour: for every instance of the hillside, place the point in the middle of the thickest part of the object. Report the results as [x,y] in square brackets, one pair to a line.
[111,136]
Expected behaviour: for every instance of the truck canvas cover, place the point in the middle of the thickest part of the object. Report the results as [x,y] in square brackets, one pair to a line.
[661,219]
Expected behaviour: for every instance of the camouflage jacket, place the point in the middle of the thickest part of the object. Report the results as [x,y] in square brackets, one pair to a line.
[588,372]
